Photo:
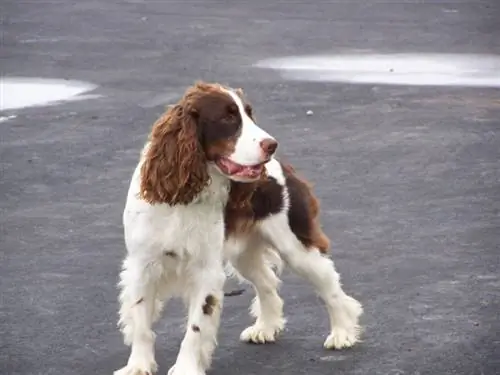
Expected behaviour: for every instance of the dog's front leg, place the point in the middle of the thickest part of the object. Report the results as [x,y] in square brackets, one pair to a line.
[138,307]
[204,297]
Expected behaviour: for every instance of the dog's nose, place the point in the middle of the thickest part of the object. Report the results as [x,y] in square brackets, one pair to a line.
[269,146]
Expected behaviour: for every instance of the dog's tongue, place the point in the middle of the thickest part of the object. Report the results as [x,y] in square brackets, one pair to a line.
[248,171]
[240,170]
[231,167]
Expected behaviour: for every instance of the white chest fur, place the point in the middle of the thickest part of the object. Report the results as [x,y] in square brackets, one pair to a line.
[187,230]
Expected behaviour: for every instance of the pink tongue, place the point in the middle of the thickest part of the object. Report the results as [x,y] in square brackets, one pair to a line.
[240,170]
[231,167]
[248,171]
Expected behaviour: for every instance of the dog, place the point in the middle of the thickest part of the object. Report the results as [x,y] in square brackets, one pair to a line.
[207,190]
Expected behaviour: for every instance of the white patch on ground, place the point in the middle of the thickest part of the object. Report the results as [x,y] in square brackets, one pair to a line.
[16,92]
[7,118]
[391,69]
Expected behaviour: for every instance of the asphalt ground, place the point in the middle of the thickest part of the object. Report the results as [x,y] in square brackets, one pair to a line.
[408,178]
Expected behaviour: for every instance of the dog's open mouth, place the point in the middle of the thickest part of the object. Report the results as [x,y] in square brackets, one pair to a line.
[233,169]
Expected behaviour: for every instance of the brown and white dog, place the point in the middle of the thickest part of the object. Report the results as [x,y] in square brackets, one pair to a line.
[207,190]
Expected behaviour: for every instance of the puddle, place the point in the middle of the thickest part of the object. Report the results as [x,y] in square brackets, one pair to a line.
[391,69]
[7,118]
[16,92]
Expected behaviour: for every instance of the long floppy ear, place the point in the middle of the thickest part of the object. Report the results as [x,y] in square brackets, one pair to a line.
[174,169]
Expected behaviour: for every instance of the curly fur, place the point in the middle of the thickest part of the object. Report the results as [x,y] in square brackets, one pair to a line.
[174,169]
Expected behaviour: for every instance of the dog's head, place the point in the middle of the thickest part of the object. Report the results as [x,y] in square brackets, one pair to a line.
[211,124]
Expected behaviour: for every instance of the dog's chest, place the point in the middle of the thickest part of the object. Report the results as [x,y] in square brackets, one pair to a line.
[216,193]
[187,230]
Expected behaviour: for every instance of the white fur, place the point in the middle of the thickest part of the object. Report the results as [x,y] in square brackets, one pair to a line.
[273,240]
[172,251]
[177,251]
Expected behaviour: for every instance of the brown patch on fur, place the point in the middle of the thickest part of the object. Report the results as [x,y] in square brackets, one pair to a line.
[304,212]
[210,303]
[195,328]
[239,217]
[140,300]
[239,214]
[251,202]
[222,147]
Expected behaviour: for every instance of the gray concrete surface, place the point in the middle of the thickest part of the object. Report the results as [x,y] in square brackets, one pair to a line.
[408,177]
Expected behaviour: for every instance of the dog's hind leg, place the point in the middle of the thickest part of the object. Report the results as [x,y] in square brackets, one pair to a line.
[343,310]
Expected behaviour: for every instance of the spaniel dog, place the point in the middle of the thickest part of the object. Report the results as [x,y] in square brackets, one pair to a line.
[206,191]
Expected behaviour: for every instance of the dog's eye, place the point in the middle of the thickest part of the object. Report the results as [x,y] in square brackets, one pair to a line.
[232,110]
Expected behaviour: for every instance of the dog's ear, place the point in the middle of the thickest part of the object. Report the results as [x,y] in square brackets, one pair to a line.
[174,170]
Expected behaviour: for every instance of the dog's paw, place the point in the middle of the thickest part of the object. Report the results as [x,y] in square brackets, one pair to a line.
[341,337]
[347,332]
[184,370]
[260,334]
[138,367]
